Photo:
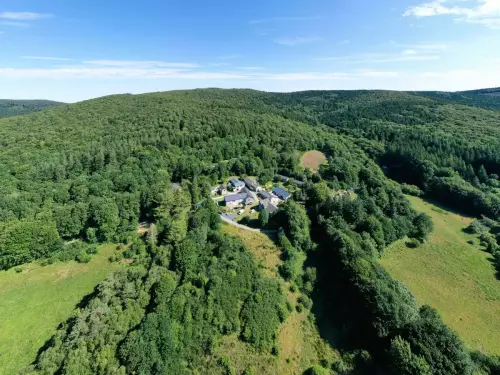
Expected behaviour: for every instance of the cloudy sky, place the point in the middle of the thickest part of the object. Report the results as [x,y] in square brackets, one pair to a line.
[75,50]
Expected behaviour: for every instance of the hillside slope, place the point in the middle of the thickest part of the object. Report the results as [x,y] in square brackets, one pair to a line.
[94,169]
[21,107]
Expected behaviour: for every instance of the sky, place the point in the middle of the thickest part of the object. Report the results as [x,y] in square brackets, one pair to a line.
[75,50]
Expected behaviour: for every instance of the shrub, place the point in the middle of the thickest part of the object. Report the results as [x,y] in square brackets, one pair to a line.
[83,257]
[413,243]
[92,250]
[18,269]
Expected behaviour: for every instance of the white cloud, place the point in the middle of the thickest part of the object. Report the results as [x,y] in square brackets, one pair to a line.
[280,19]
[140,64]
[381,58]
[112,72]
[485,12]
[410,52]
[15,24]
[294,41]
[23,16]
[46,58]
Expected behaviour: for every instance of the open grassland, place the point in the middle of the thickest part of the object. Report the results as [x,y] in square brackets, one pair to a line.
[312,160]
[453,276]
[300,344]
[35,301]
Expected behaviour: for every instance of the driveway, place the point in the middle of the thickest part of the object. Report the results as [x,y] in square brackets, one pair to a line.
[226,219]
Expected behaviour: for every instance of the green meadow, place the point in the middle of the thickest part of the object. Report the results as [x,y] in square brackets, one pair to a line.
[452,275]
[35,301]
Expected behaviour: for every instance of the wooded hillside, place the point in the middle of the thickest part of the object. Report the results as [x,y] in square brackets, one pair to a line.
[93,170]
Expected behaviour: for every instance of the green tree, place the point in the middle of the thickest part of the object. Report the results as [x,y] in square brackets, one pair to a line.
[404,362]
[263,217]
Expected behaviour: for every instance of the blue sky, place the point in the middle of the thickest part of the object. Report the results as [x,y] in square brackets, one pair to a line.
[74,50]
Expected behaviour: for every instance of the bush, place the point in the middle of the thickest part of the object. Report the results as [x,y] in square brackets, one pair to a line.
[83,257]
[476,227]
[411,190]
[413,243]
[317,370]
[18,269]
[92,250]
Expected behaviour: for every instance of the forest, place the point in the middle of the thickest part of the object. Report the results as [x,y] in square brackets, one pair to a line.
[23,107]
[153,158]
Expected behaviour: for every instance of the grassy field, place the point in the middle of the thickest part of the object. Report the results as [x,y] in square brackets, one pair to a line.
[300,343]
[453,276]
[312,160]
[34,302]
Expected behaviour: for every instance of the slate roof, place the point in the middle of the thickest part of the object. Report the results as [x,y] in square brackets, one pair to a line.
[265,195]
[235,197]
[280,192]
[269,206]
[251,183]
[235,182]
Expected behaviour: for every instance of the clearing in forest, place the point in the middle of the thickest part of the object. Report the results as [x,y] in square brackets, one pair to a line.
[455,277]
[312,160]
[35,301]
[300,344]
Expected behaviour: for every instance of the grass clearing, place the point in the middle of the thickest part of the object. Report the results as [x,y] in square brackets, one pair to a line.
[313,160]
[35,301]
[300,343]
[453,276]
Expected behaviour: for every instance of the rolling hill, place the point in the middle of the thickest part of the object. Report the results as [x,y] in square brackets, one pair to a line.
[196,296]
[10,107]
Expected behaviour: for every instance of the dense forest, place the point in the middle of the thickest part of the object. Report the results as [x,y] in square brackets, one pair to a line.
[131,158]
[22,107]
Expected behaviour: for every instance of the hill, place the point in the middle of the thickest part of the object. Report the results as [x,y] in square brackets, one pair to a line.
[485,98]
[454,276]
[153,158]
[21,107]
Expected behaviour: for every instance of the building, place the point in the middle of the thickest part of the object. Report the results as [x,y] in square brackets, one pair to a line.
[234,200]
[265,195]
[299,183]
[281,193]
[244,197]
[222,190]
[268,206]
[251,184]
[282,178]
[236,185]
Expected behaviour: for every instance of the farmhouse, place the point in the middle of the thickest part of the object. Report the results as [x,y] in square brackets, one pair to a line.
[264,194]
[236,185]
[222,190]
[244,197]
[281,193]
[299,183]
[251,184]
[282,178]
[268,206]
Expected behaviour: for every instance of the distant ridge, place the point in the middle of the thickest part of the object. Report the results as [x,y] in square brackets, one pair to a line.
[9,107]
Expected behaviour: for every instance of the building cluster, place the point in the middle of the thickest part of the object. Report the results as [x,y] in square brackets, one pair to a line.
[248,192]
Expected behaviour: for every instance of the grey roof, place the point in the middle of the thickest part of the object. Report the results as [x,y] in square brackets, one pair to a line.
[264,194]
[235,182]
[235,197]
[299,183]
[280,192]
[269,206]
[283,178]
[221,187]
[250,183]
